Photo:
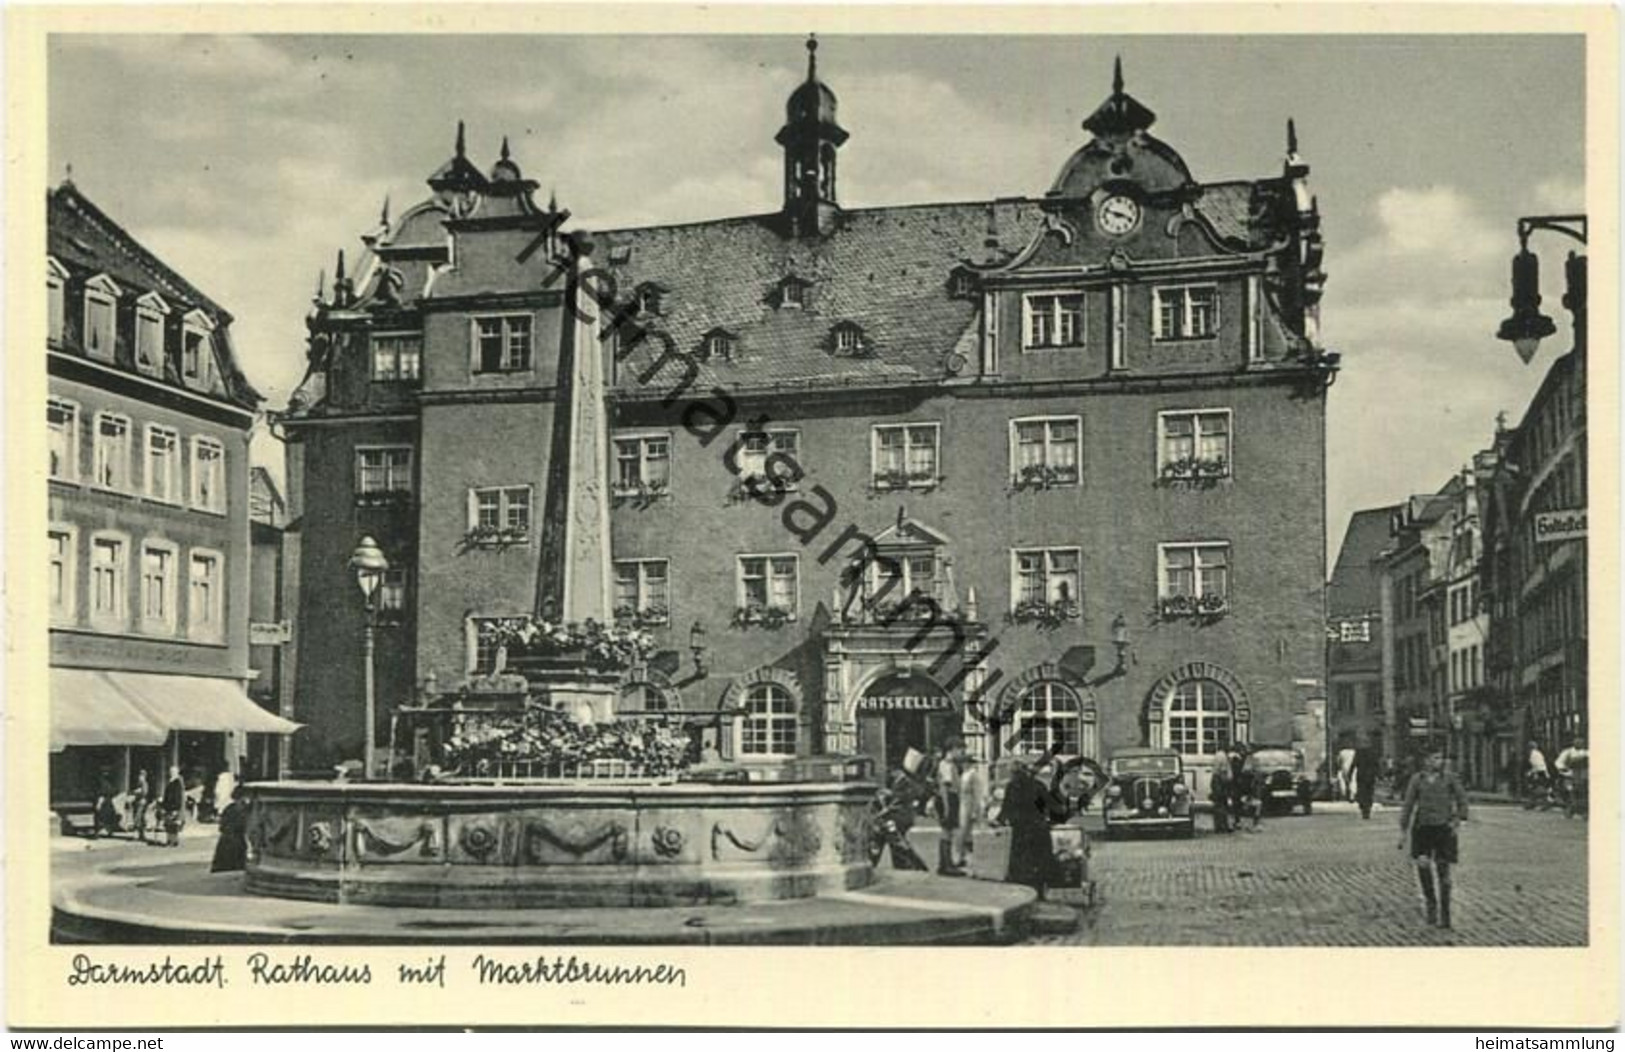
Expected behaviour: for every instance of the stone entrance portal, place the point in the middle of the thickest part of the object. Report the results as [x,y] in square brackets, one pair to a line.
[901,712]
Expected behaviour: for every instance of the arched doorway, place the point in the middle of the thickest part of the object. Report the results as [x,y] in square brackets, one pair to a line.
[903,711]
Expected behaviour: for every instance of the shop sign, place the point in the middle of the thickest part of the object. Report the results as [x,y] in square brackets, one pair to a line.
[907,695]
[269,633]
[1551,526]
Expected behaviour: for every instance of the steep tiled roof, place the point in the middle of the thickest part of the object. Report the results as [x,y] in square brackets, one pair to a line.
[885,269]
[87,241]
[1354,587]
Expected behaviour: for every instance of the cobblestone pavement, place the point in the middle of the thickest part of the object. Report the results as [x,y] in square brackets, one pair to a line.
[1332,879]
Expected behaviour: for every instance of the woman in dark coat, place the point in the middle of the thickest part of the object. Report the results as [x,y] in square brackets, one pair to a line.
[173,807]
[231,850]
[1028,805]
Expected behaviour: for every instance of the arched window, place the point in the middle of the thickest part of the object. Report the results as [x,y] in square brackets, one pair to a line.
[768,726]
[826,172]
[1200,718]
[1049,716]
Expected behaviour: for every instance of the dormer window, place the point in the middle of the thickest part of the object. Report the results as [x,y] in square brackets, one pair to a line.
[848,340]
[648,297]
[56,279]
[197,357]
[719,343]
[150,311]
[101,294]
[961,284]
[790,293]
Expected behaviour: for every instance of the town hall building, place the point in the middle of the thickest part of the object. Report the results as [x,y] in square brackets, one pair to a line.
[1038,471]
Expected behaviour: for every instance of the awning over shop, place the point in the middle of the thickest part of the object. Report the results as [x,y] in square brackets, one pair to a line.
[86,709]
[197,703]
[96,707]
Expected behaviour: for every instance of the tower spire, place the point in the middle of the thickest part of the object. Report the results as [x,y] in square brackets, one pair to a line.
[1291,136]
[461,148]
[1117,75]
[383,217]
[505,154]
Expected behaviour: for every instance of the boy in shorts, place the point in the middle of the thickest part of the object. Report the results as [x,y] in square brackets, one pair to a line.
[1434,806]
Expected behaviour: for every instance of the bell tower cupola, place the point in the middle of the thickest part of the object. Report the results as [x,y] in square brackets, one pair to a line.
[810,138]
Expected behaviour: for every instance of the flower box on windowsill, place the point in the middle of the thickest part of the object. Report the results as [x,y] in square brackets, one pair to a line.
[1203,471]
[495,538]
[643,494]
[384,498]
[1043,476]
[535,642]
[653,614]
[1207,607]
[1044,615]
[887,481]
[746,488]
[769,617]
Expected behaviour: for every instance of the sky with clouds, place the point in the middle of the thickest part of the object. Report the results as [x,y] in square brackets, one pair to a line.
[246,162]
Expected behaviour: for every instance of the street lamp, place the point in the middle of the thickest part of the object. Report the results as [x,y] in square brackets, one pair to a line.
[1527,326]
[369,565]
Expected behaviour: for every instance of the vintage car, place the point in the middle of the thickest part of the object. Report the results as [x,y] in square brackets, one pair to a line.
[1282,777]
[1147,791]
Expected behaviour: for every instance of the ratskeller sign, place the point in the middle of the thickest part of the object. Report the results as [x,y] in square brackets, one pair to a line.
[913,694]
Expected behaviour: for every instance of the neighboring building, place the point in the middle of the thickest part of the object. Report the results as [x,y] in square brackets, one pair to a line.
[1354,634]
[270,627]
[1087,426]
[1412,628]
[1534,572]
[149,418]
[1477,757]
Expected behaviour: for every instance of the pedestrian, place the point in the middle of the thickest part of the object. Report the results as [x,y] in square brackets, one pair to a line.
[1219,793]
[949,768]
[231,850]
[172,809]
[972,795]
[225,785]
[140,800]
[1366,766]
[104,813]
[1434,806]
[1345,772]
[1027,808]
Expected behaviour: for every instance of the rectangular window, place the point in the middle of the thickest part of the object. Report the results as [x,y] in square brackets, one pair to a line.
[204,597]
[642,464]
[1047,452]
[1195,578]
[1053,320]
[1186,312]
[163,463]
[157,588]
[756,446]
[149,341]
[641,592]
[482,644]
[112,468]
[1048,577]
[905,456]
[502,344]
[392,591]
[208,474]
[383,472]
[769,583]
[1194,443]
[108,579]
[99,331]
[63,419]
[500,512]
[397,358]
[55,309]
[195,356]
[59,545]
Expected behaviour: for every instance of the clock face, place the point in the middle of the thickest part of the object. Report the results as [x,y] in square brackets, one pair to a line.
[1118,214]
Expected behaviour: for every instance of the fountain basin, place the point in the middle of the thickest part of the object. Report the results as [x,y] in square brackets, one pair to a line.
[513,846]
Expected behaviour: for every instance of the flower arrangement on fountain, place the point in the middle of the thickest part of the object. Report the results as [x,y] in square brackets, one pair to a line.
[603,647]
[541,742]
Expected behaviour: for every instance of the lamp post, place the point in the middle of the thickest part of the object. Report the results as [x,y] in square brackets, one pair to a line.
[368,564]
[1527,326]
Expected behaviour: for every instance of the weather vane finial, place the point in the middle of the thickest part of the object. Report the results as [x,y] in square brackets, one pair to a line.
[460,147]
[1117,75]
[812,56]
[505,154]
[1291,136]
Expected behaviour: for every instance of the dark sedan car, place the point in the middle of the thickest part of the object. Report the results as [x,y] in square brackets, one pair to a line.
[1282,777]
[1148,791]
